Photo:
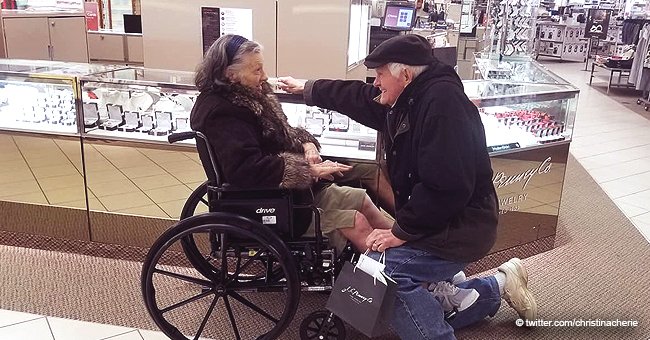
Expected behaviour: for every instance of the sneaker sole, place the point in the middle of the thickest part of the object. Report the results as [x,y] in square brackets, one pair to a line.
[515,267]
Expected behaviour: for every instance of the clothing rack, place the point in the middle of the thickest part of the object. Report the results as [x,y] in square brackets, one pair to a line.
[640,71]
[631,29]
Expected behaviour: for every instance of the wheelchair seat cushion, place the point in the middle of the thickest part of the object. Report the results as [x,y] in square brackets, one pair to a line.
[337,206]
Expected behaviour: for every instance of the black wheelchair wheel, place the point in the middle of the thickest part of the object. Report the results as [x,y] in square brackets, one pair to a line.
[322,325]
[197,203]
[185,304]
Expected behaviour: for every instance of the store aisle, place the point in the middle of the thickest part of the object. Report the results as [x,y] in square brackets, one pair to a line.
[613,144]
[25,326]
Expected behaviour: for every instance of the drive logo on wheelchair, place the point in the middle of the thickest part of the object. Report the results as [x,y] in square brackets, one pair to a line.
[265,211]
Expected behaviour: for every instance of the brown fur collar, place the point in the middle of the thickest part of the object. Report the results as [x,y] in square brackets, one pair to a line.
[266,107]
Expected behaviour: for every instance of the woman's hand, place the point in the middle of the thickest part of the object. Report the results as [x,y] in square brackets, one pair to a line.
[311,153]
[382,239]
[328,169]
[291,85]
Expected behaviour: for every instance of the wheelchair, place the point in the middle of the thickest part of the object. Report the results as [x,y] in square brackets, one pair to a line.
[230,246]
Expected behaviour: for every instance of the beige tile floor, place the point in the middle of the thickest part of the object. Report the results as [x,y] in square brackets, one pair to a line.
[25,326]
[129,180]
[613,144]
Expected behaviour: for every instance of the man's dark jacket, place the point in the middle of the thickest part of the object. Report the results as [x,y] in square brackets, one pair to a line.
[437,159]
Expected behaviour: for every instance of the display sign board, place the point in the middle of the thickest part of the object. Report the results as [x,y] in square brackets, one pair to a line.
[92,15]
[597,23]
[216,22]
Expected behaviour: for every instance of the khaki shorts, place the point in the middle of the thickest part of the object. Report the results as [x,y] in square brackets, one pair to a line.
[337,206]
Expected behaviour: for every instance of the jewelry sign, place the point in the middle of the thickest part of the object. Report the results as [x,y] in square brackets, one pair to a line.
[216,22]
[597,23]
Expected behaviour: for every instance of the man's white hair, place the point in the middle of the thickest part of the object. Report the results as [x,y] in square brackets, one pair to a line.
[396,68]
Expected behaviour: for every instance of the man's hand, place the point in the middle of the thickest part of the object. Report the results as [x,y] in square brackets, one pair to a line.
[291,85]
[382,239]
[311,153]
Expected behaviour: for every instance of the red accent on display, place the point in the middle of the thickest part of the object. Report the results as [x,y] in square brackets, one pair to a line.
[92,15]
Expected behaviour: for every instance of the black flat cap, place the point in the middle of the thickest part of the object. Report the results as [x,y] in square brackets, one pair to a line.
[408,49]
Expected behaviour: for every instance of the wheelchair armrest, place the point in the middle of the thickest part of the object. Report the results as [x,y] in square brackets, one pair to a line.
[230,188]
[179,136]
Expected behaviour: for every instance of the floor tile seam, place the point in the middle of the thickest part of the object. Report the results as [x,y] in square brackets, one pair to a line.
[140,206]
[591,120]
[579,133]
[31,171]
[132,330]
[611,151]
[49,326]
[576,140]
[37,317]
[645,210]
[612,197]
[142,191]
[645,223]
[633,204]
[641,173]
[608,167]
[163,187]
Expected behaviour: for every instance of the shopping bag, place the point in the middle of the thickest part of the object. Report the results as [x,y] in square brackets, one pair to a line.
[363,300]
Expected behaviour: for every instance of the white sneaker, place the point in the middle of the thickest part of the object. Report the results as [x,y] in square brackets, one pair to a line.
[453,298]
[515,290]
[459,277]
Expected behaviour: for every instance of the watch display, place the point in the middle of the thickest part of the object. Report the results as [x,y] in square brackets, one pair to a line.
[147,124]
[37,106]
[91,115]
[337,133]
[163,124]
[115,118]
[182,124]
[131,120]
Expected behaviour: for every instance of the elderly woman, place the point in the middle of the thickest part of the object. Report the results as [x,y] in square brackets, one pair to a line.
[256,146]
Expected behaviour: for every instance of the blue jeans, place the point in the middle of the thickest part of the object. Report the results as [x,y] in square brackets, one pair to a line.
[417,314]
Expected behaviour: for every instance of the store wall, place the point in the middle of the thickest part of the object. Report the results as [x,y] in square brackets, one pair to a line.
[172,33]
[313,38]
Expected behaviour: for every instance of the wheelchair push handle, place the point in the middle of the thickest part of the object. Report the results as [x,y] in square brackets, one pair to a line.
[180,136]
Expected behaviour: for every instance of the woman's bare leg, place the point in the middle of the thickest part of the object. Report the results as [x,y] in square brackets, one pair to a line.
[358,233]
[376,218]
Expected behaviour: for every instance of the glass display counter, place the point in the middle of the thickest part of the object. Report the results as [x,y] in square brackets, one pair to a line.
[144,105]
[524,115]
[521,69]
[40,96]
[41,168]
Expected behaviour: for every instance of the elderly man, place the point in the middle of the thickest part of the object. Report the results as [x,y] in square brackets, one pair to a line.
[439,168]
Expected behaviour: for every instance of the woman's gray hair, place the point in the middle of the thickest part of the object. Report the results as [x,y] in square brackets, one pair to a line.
[396,68]
[215,70]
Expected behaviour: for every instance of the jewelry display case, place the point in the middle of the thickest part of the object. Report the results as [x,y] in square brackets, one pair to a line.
[520,70]
[339,136]
[528,129]
[144,105]
[41,167]
[524,115]
[137,104]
